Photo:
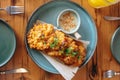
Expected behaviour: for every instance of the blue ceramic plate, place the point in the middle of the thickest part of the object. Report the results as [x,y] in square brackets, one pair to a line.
[49,13]
[7,43]
[115,45]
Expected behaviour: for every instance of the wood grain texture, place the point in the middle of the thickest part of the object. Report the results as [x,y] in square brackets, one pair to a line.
[102,59]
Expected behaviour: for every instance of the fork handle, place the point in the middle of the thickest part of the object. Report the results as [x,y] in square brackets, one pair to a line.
[2,8]
[117,73]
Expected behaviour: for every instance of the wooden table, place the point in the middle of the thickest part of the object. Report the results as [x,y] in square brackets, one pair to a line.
[101,61]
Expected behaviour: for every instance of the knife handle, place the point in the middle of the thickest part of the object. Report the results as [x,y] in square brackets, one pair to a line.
[2,72]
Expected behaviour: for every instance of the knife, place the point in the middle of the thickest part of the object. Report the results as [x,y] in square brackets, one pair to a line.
[18,70]
[111,18]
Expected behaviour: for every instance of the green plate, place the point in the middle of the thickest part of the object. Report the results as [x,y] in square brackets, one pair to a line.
[7,43]
[115,45]
[49,13]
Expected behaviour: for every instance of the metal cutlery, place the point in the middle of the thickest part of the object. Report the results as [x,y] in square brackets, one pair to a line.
[22,78]
[14,9]
[111,18]
[18,70]
[110,74]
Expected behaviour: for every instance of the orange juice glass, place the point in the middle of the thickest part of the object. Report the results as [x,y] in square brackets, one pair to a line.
[102,3]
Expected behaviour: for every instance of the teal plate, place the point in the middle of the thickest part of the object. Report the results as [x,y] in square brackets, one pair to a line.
[115,45]
[48,13]
[7,43]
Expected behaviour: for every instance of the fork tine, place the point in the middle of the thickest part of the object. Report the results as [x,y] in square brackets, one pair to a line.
[15,9]
[16,12]
[105,75]
[109,74]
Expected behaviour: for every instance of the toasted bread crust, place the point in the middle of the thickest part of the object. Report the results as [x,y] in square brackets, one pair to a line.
[57,44]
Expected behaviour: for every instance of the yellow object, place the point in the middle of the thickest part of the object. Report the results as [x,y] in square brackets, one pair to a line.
[101,3]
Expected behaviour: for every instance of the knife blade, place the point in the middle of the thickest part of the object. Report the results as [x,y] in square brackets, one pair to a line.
[18,70]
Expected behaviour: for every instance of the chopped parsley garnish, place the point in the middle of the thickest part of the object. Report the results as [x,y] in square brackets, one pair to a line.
[68,50]
[78,57]
[74,53]
[55,42]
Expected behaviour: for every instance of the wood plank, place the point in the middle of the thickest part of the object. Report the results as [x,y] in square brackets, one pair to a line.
[36,73]
[4,15]
[104,33]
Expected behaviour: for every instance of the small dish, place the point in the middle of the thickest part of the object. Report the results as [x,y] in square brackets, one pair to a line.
[68,21]
[115,45]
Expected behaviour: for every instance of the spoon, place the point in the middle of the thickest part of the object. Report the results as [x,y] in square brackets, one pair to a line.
[110,74]
[18,70]
[111,18]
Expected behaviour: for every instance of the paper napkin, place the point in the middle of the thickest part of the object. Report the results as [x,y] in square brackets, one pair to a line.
[66,71]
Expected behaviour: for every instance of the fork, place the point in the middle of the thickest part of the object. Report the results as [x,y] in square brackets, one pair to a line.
[110,74]
[14,9]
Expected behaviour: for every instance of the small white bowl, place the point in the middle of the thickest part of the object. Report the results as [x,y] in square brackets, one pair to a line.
[76,20]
